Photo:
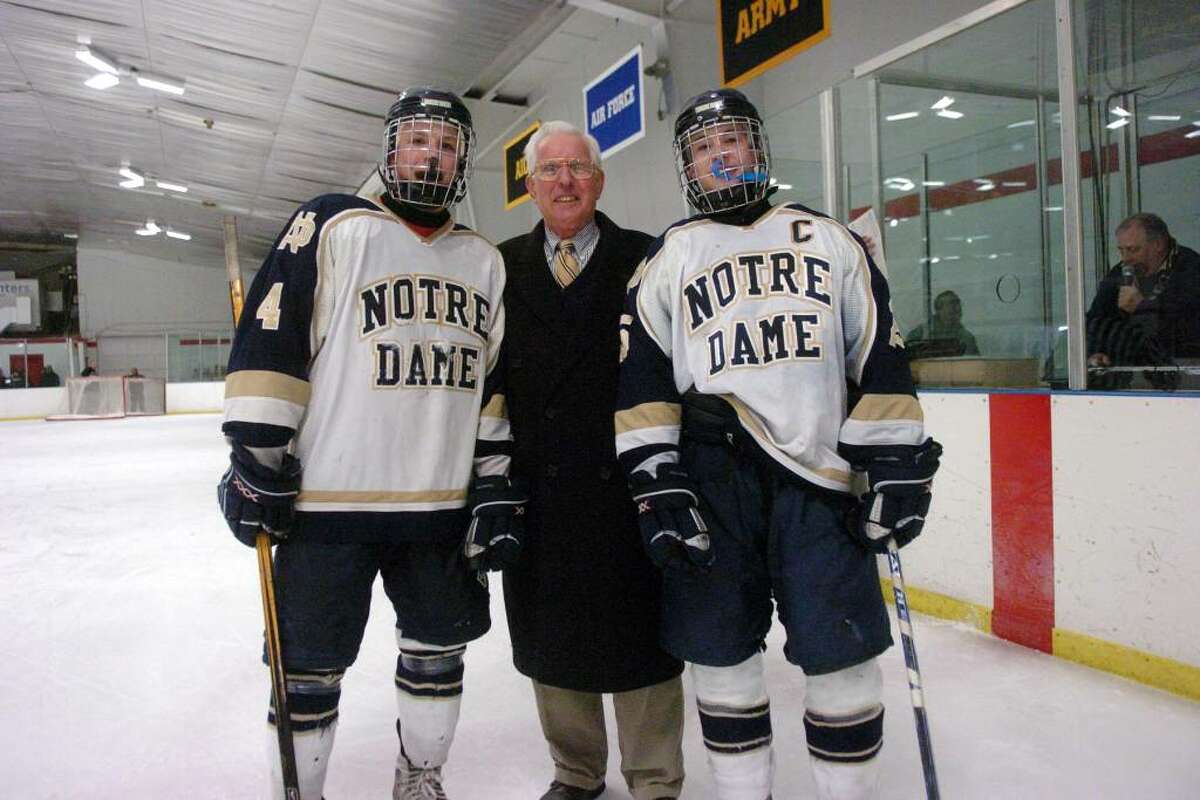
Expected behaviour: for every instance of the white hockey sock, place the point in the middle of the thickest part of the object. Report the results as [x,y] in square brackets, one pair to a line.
[735,719]
[312,697]
[844,726]
[429,681]
[312,760]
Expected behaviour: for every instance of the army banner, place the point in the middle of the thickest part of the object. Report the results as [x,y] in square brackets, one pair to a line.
[515,168]
[755,35]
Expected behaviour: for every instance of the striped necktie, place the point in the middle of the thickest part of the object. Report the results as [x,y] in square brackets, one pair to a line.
[566,265]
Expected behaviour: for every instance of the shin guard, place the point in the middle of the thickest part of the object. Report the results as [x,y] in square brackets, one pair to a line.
[844,726]
[312,697]
[735,719]
[429,683]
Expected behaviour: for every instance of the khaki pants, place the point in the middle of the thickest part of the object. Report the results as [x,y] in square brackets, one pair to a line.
[649,733]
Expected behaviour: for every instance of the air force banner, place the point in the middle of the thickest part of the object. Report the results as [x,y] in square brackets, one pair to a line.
[615,104]
[756,35]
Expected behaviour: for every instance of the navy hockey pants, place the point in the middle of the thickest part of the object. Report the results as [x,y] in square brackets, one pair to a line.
[777,538]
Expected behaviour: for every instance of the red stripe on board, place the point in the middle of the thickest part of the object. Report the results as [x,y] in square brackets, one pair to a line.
[1022,519]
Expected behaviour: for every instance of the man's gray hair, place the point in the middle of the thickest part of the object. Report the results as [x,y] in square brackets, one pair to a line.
[552,128]
[1152,224]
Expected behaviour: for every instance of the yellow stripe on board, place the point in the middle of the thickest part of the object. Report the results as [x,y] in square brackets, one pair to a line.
[1163,673]
[1157,671]
[942,606]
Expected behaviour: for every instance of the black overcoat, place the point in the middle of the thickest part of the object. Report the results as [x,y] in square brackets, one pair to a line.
[584,603]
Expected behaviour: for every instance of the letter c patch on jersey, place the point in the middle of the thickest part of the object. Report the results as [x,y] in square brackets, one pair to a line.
[301,232]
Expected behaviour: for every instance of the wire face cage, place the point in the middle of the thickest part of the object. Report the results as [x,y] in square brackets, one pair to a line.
[723,163]
[427,159]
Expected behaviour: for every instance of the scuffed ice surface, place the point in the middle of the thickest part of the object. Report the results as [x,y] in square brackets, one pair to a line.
[131,634]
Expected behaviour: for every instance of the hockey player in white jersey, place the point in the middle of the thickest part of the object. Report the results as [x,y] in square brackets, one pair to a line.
[368,429]
[761,368]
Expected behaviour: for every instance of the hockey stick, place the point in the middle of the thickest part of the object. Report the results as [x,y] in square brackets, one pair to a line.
[914,672]
[266,576]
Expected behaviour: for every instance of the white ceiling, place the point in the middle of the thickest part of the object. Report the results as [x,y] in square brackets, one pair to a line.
[283,101]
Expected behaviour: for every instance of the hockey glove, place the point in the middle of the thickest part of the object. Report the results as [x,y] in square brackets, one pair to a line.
[254,496]
[899,480]
[673,531]
[497,526]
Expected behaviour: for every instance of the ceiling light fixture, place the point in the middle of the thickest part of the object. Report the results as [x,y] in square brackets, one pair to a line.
[944,103]
[171,187]
[102,80]
[133,179]
[98,60]
[933,183]
[1164,117]
[1192,135]
[899,183]
[902,115]
[149,229]
[1022,124]
[1117,123]
[159,83]
[179,235]
[949,114]
[1120,112]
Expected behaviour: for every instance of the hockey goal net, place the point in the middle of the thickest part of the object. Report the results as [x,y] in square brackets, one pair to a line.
[111,397]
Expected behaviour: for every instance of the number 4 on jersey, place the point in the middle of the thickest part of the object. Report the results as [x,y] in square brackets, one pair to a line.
[268,309]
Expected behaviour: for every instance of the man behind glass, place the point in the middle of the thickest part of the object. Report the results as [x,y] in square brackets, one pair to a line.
[1146,311]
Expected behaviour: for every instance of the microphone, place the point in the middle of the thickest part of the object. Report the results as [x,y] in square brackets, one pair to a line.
[1128,275]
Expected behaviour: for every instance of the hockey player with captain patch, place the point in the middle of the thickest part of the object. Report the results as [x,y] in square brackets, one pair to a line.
[761,369]
[369,435]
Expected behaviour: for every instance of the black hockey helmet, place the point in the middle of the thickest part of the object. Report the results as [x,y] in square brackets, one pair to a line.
[720,141]
[424,119]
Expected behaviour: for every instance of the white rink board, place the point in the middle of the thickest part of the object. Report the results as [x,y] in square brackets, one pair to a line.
[1126,537]
[189,398]
[953,556]
[23,403]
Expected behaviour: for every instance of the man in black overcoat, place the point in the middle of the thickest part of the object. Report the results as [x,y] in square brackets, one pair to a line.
[583,604]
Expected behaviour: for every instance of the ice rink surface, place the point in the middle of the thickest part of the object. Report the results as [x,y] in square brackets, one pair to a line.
[131,636]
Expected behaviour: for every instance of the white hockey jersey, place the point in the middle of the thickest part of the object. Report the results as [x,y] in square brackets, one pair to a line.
[373,349]
[785,318]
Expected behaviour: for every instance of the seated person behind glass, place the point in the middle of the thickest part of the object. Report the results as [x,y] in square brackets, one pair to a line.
[1147,308]
[946,336]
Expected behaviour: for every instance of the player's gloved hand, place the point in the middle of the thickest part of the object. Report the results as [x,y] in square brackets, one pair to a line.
[497,526]
[673,531]
[900,479]
[254,496]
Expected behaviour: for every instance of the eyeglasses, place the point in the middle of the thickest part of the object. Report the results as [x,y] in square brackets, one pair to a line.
[548,170]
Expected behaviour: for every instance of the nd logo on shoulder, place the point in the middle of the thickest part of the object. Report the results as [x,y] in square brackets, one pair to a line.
[301,233]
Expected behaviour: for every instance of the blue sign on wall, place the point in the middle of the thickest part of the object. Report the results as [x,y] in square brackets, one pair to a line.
[614,104]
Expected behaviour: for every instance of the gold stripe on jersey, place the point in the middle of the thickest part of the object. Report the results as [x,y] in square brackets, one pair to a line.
[371,496]
[264,383]
[496,407]
[887,408]
[752,424]
[648,415]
